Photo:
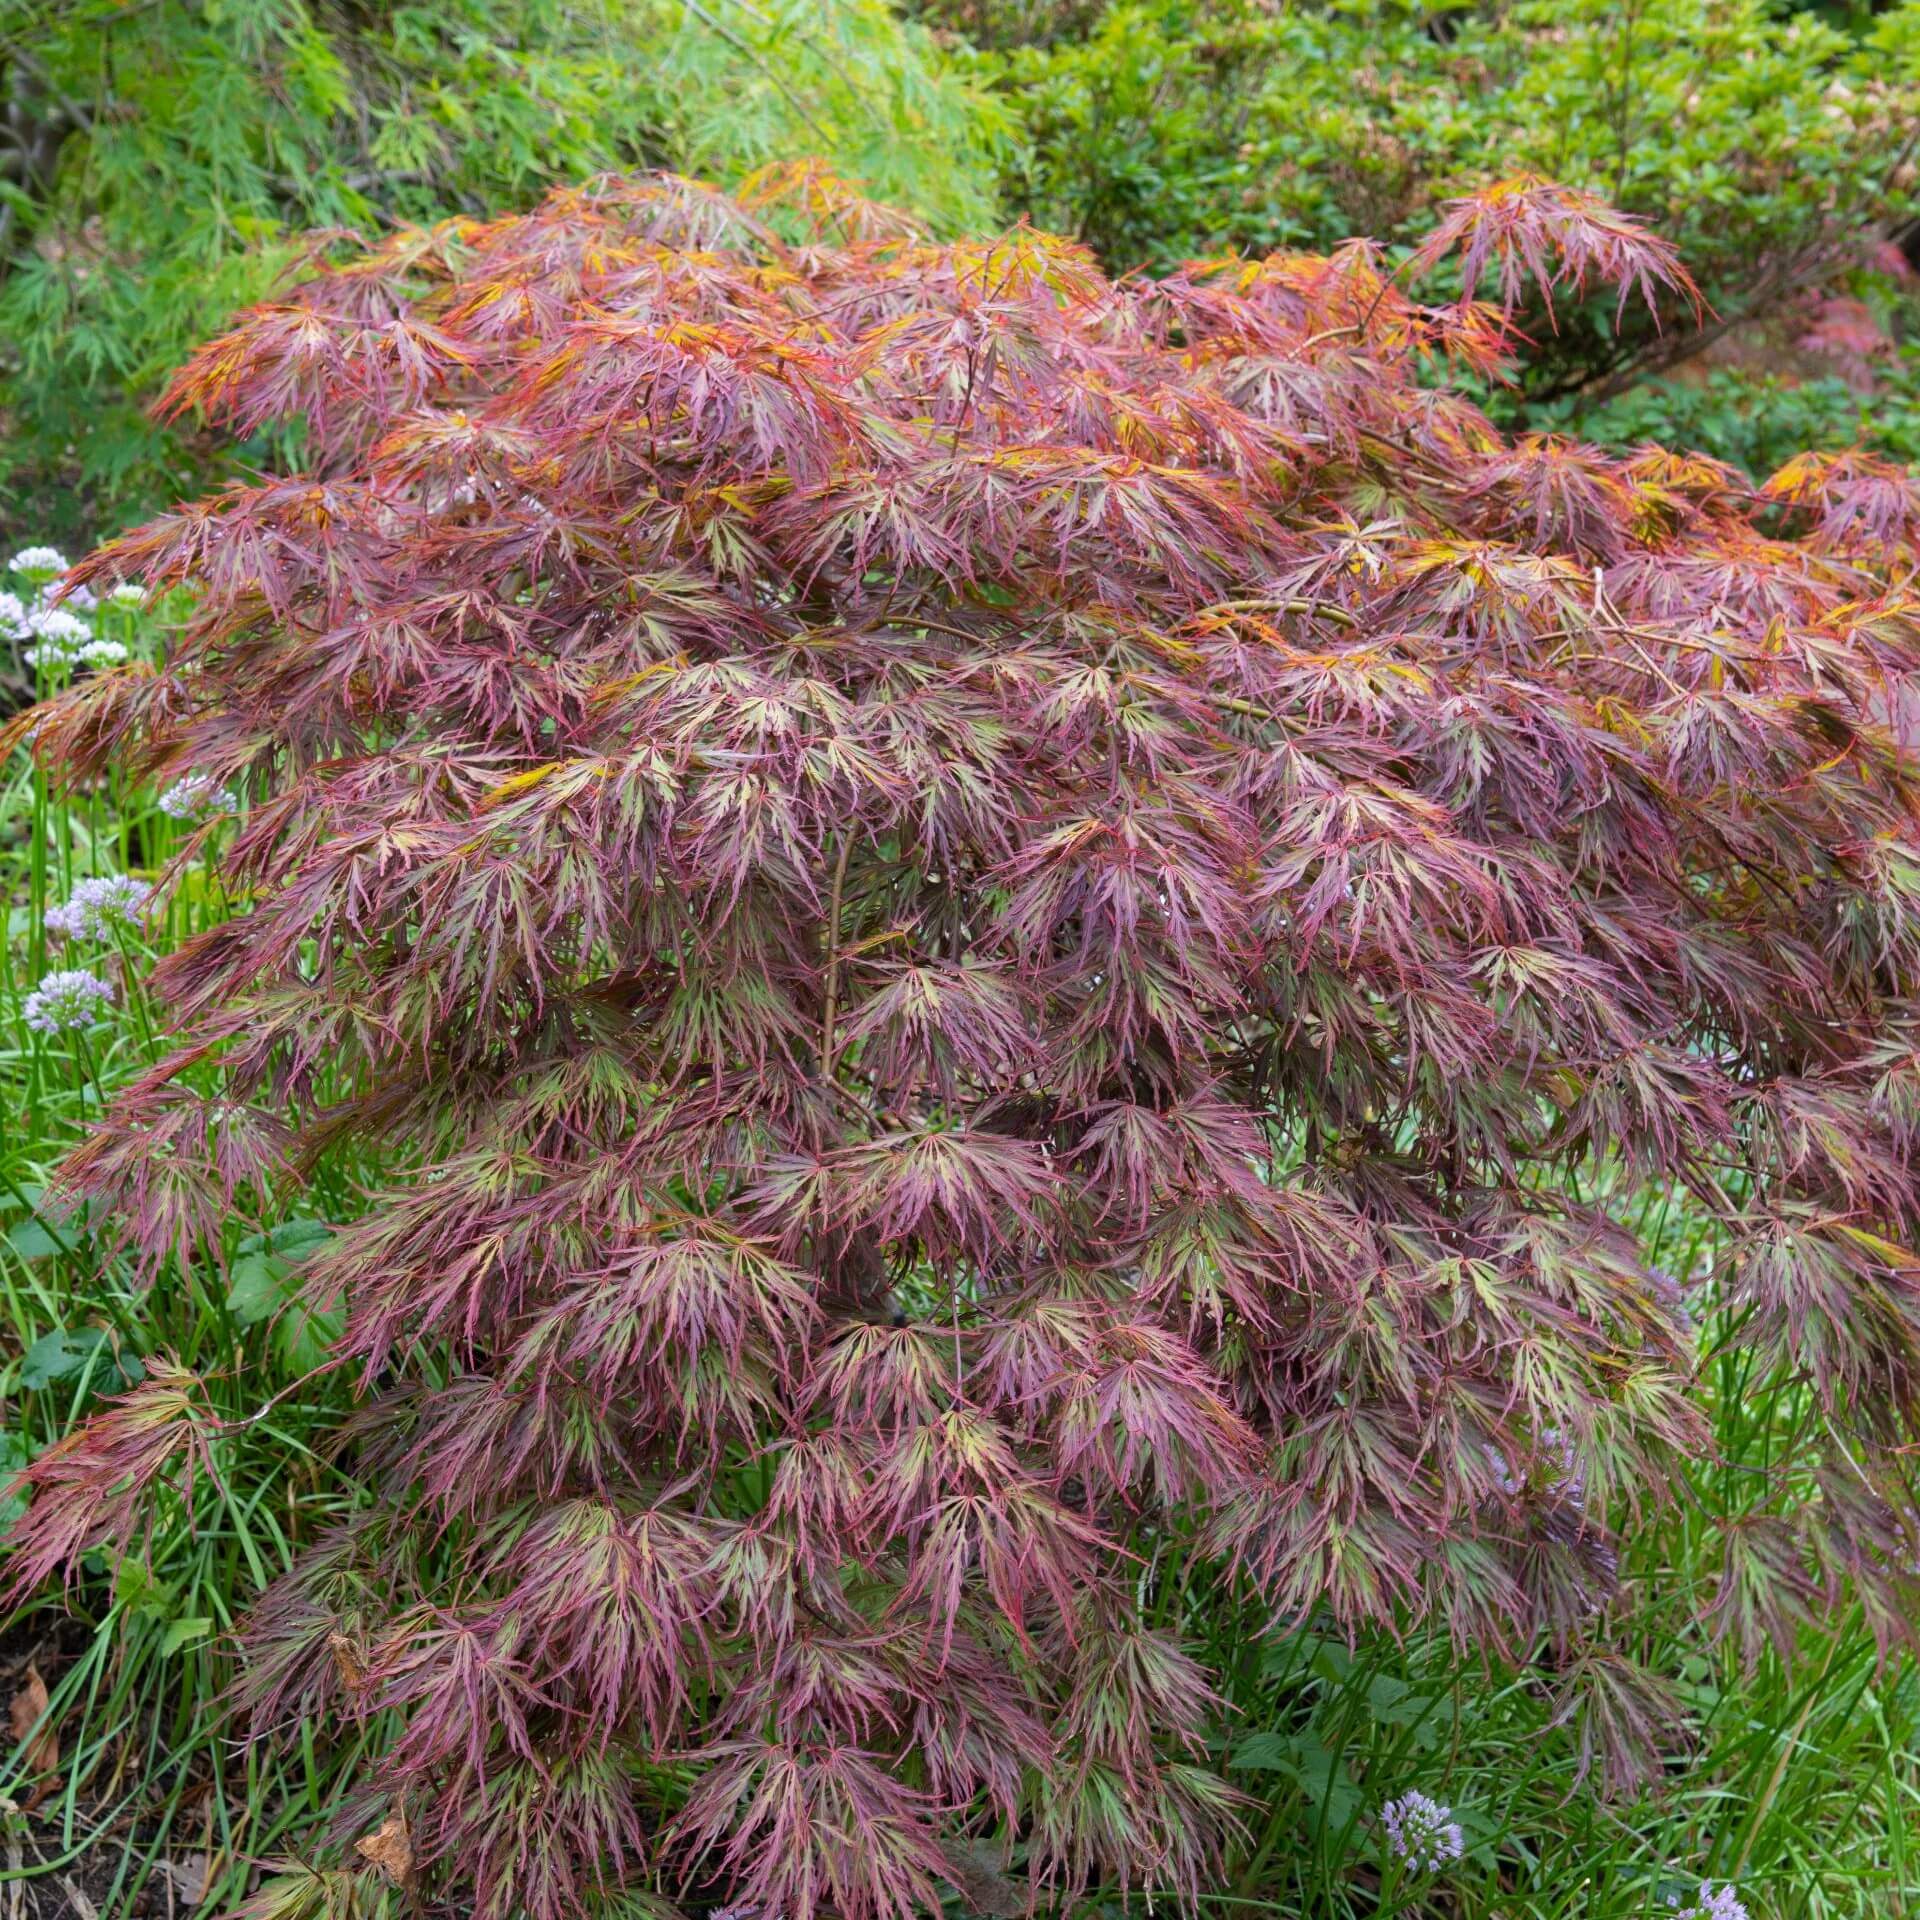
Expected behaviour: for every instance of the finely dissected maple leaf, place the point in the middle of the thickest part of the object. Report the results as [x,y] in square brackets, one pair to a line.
[985,918]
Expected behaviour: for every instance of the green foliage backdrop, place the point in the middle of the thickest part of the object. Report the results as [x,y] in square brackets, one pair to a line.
[159,159]
[1771,147]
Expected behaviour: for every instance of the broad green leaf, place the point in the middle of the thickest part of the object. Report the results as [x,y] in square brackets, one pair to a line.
[142,1591]
[69,1352]
[14,1455]
[1265,1751]
[31,1239]
[258,1285]
[185,1633]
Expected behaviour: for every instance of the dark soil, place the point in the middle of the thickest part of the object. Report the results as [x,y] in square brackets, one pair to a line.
[49,1871]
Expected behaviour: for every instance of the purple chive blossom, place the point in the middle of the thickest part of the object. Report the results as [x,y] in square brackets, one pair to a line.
[1560,1465]
[1504,1476]
[99,905]
[13,616]
[1715,1903]
[1554,1468]
[194,798]
[66,1001]
[1672,1297]
[1423,1833]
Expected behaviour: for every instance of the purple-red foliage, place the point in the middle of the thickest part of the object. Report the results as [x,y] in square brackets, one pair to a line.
[988,918]
[96,1486]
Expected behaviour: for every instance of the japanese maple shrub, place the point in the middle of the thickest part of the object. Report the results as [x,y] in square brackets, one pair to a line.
[987,923]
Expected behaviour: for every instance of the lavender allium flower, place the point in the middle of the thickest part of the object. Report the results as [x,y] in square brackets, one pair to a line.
[1504,1477]
[1554,1468]
[39,560]
[1722,1903]
[13,616]
[1560,1467]
[1672,1296]
[98,905]
[1422,1832]
[66,1001]
[194,798]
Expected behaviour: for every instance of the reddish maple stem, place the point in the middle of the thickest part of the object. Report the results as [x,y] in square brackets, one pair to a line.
[835,896]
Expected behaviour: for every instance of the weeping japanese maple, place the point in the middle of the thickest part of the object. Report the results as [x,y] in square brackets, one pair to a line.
[983,919]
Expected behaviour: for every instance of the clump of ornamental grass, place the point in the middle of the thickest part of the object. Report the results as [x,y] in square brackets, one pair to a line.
[986,918]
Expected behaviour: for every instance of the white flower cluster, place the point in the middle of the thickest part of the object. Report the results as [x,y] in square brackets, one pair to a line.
[96,907]
[1422,1832]
[59,637]
[66,1002]
[195,798]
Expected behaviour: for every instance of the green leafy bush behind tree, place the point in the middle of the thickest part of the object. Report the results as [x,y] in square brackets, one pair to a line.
[1772,148]
[159,160]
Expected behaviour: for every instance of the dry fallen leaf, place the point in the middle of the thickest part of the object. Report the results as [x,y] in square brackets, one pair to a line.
[188,1875]
[347,1662]
[975,1871]
[391,1849]
[29,1705]
[83,1908]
